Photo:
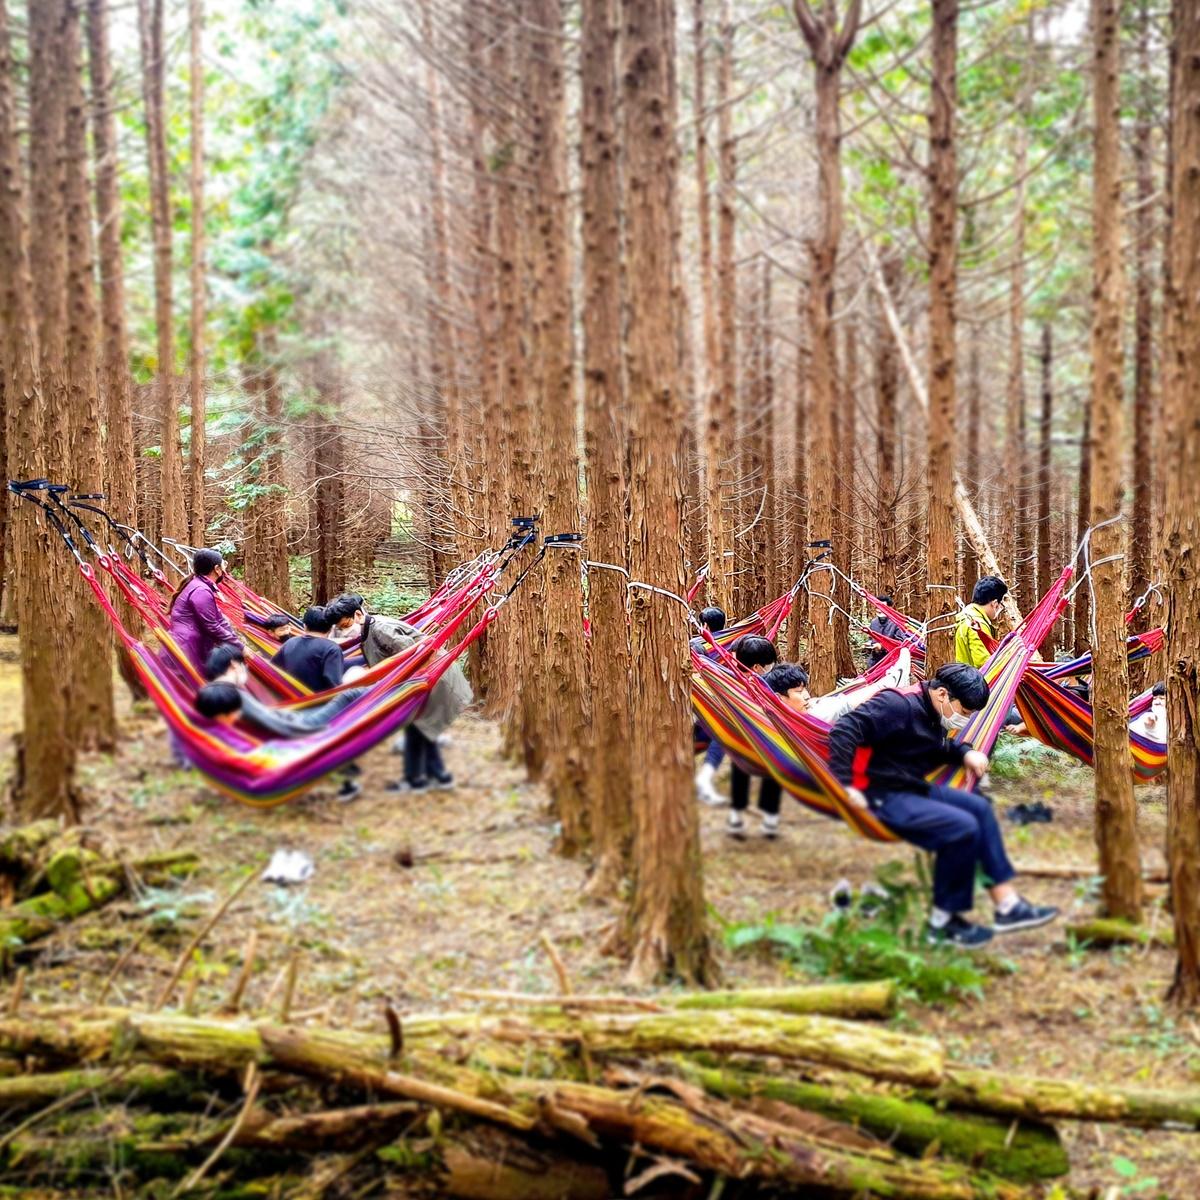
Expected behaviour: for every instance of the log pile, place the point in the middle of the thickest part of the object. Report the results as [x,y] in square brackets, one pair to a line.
[49,876]
[570,1097]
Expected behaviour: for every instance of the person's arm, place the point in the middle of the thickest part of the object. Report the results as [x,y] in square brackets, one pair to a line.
[333,665]
[837,704]
[209,618]
[390,636]
[856,731]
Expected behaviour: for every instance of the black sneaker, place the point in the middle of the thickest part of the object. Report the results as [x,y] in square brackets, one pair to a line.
[407,785]
[1024,916]
[348,791]
[441,781]
[959,932]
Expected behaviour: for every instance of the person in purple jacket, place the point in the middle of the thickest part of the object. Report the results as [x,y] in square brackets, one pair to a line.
[196,622]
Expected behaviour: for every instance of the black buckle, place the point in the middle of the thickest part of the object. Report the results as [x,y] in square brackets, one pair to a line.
[562,539]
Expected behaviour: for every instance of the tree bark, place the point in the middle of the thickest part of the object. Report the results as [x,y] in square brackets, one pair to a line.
[198,527]
[887,437]
[941,546]
[92,721]
[1182,538]
[1045,554]
[847,451]
[1083,521]
[45,787]
[797,620]
[609,775]
[1116,812]
[668,922]
[173,521]
[828,44]
[1014,529]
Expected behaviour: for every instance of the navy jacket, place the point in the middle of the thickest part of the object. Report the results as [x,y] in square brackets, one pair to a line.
[316,662]
[890,743]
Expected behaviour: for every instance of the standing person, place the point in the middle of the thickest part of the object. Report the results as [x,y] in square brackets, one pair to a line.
[759,655]
[196,623]
[882,752]
[713,619]
[313,658]
[883,624]
[381,638]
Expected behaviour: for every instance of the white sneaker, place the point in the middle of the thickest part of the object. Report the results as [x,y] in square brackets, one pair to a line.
[704,788]
[899,675]
[770,826]
[735,827]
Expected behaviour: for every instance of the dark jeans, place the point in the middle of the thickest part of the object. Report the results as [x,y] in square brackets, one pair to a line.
[739,792]
[962,831]
[422,758]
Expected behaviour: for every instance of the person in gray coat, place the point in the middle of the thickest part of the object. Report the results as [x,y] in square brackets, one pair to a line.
[381,638]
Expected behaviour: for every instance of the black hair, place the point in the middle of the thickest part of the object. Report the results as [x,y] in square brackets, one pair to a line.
[989,588]
[316,619]
[713,618]
[964,683]
[753,651]
[349,598]
[218,699]
[1159,689]
[783,677]
[884,599]
[343,608]
[277,621]
[220,659]
[204,563]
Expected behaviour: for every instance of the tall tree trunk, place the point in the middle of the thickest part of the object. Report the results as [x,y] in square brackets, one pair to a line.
[1182,538]
[771,541]
[668,916]
[563,701]
[92,717]
[971,466]
[722,418]
[267,570]
[116,383]
[1083,602]
[828,46]
[797,621]
[329,574]
[847,451]
[199,521]
[173,521]
[941,548]
[609,775]
[44,784]
[1045,554]
[1116,813]
[887,436]
[1141,545]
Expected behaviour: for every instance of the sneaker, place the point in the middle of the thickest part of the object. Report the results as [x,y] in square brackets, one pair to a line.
[1024,915]
[841,896]
[899,675]
[770,825]
[351,769]
[441,781]
[706,793]
[736,826]
[406,785]
[347,792]
[959,932]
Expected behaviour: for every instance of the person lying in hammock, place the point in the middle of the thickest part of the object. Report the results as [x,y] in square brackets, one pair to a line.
[882,751]
[791,682]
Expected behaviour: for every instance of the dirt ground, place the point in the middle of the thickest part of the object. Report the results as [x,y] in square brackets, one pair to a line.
[415,896]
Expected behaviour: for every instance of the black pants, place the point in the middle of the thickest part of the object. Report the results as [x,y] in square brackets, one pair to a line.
[739,792]
[422,758]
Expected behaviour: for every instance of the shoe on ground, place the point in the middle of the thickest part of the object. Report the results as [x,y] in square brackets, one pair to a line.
[407,785]
[770,826]
[735,826]
[348,791]
[958,931]
[1024,915]
[441,781]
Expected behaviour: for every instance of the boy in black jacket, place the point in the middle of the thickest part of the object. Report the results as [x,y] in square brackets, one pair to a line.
[882,752]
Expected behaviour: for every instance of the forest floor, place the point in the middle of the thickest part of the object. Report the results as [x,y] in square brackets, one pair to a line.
[415,896]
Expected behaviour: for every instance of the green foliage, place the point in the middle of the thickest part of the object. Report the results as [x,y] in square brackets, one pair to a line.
[1015,758]
[875,938]
[392,599]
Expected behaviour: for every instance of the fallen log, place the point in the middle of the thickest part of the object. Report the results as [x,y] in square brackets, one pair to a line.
[1027,1153]
[1109,931]
[21,848]
[1076,871]
[145,1080]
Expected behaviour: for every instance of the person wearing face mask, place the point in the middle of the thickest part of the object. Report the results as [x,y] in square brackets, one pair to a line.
[987,602]
[882,752]
[1152,723]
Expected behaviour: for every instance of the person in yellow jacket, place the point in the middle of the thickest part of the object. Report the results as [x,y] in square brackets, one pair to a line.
[981,614]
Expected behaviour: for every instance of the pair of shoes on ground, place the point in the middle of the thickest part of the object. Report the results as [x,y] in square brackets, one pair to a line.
[437,783]
[1031,814]
[735,826]
[958,931]
[871,896]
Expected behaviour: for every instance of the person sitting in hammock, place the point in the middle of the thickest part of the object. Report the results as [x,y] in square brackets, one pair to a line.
[197,625]
[981,615]
[282,626]
[381,638]
[313,658]
[713,619]
[791,682]
[883,624]
[1152,723]
[882,752]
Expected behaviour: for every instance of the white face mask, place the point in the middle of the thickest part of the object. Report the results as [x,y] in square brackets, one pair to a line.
[954,722]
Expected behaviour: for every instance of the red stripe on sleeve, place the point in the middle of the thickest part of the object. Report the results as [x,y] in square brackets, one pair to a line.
[858,771]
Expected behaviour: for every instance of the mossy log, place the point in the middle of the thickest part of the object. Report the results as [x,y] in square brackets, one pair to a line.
[1027,1153]
[144,1081]
[1027,1096]
[1110,931]
[21,848]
